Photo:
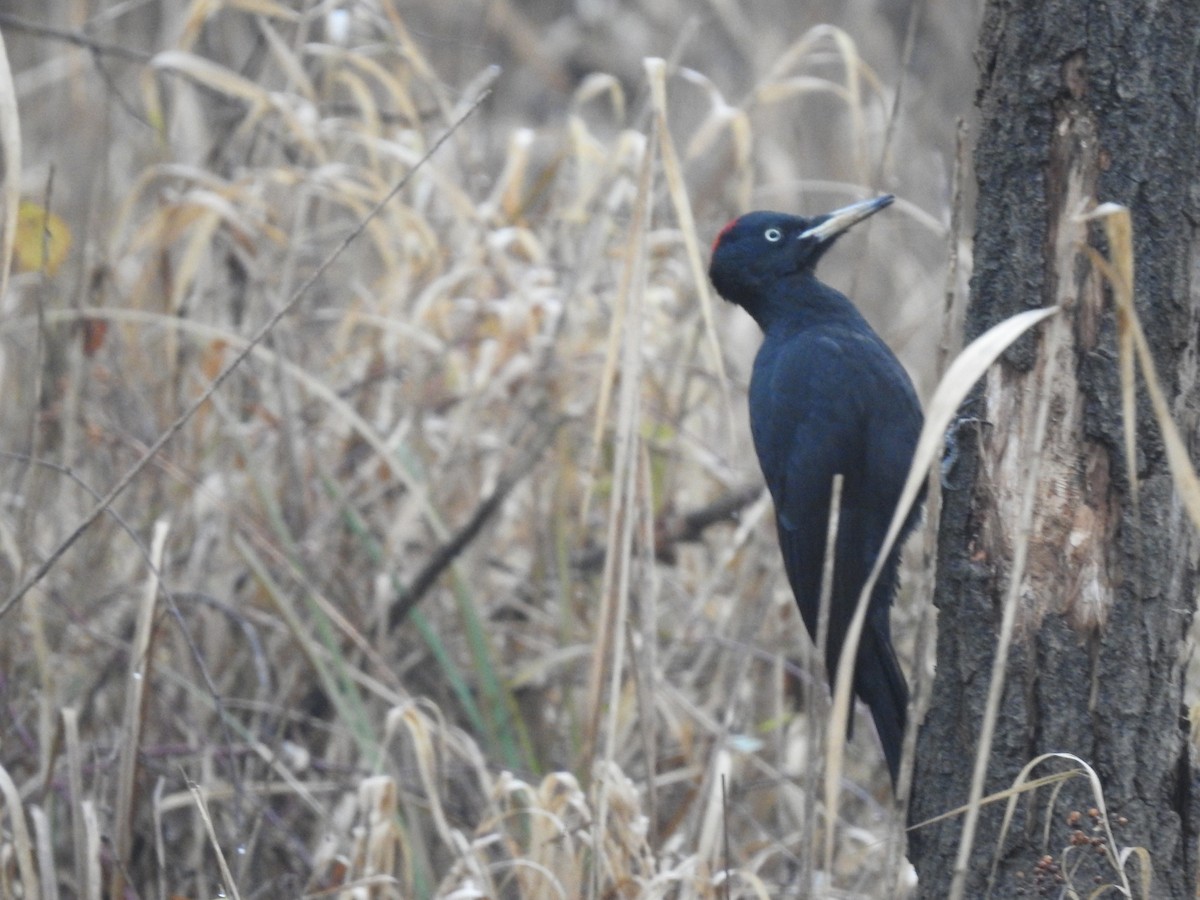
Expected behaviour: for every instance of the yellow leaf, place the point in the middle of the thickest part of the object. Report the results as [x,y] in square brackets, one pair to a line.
[43,239]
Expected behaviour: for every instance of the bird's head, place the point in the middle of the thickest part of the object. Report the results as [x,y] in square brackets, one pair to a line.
[760,248]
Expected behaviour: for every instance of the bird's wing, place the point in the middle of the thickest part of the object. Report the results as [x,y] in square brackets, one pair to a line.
[825,403]
[808,427]
[892,430]
[808,422]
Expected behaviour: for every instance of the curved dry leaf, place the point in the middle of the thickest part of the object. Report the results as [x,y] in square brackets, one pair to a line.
[368,119]
[203,10]
[508,193]
[211,75]
[1132,345]
[289,63]
[779,91]
[600,84]
[1022,784]
[392,87]
[198,243]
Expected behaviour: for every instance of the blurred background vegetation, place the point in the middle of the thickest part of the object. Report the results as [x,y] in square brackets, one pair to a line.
[463,584]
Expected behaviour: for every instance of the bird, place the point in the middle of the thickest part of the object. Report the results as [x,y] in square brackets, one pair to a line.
[827,396]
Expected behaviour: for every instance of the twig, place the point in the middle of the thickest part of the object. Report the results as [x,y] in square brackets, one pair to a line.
[224,374]
[725,828]
[685,529]
[691,527]
[78,38]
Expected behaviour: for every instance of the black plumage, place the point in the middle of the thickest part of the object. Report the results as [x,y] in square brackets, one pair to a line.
[827,396]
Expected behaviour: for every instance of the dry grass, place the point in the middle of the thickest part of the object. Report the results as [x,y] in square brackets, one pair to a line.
[401,608]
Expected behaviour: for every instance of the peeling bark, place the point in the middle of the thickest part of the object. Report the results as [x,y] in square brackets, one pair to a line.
[1080,103]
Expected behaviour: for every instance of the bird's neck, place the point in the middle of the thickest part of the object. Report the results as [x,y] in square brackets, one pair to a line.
[799,302]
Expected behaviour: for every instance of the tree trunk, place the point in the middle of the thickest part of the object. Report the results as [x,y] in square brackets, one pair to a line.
[1079,101]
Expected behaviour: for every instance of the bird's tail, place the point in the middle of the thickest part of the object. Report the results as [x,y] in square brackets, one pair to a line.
[880,684]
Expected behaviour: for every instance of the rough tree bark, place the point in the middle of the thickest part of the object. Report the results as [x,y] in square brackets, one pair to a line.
[1080,102]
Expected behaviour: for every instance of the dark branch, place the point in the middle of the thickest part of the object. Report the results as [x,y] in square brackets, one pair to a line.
[445,555]
[78,38]
[670,531]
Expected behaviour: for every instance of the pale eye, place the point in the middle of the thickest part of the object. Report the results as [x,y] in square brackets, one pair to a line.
[773,234]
